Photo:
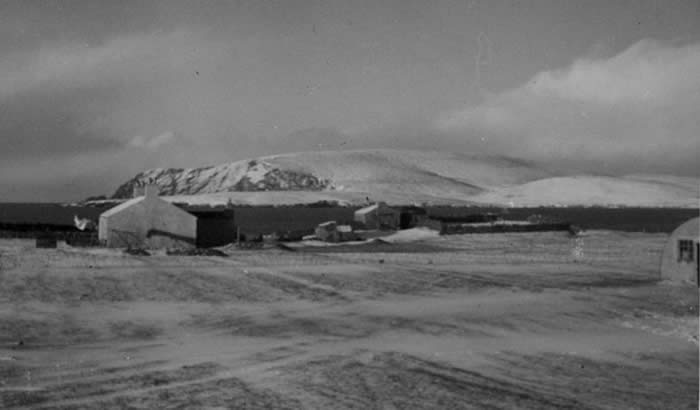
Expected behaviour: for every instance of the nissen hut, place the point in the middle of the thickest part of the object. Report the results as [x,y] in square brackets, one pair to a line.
[147,221]
[680,260]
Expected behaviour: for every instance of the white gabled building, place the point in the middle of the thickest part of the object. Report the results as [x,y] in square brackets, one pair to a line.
[147,221]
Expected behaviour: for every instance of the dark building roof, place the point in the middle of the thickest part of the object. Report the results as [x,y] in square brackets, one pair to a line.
[204,211]
[474,218]
[413,209]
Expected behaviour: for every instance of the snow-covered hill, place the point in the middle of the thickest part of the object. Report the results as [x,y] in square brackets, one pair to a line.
[657,191]
[405,176]
[388,173]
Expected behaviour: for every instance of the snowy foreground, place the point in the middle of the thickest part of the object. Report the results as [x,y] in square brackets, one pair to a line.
[528,321]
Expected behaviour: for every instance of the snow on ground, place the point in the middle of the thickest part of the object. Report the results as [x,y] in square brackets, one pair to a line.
[494,321]
[403,236]
[411,235]
[316,243]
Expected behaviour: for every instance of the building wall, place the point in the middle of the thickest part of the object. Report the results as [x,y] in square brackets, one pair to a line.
[432,224]
[370,220]
[215,229]
[151,223]
[383,217]
[301,220]
[327,232]
[671,267]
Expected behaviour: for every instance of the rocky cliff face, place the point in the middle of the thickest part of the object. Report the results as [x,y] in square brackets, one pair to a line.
[249,175]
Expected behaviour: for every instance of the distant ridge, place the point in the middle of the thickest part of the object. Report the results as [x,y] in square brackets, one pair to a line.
[407,176]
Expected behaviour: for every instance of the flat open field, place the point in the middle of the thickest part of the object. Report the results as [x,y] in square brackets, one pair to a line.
[531,321]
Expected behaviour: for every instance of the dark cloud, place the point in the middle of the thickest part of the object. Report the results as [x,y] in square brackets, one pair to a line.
[30,24]
[103,90]
[38,124]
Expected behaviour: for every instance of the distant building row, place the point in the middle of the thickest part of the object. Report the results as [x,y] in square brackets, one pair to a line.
[147,221]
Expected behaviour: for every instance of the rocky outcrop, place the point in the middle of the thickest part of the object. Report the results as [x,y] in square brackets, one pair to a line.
[250,175]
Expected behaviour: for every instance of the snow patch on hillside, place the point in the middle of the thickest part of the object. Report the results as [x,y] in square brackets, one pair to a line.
[360,169]
[597,191]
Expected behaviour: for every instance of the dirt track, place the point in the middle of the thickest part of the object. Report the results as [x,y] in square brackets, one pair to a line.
[489,321]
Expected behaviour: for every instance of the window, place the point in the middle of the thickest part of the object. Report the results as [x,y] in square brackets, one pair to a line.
[685,250]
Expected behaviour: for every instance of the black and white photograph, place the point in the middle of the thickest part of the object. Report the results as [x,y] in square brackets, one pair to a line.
[349,204]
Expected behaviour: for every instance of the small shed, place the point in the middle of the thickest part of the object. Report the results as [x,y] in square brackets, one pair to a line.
[327,231]
[680,261]
[345,233]
[332,232]
[147,222]
[378,216]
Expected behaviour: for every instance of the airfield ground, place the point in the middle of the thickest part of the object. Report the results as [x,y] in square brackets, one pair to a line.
[530,321]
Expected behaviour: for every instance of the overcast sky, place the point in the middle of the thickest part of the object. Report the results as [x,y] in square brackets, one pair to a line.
[93,92]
